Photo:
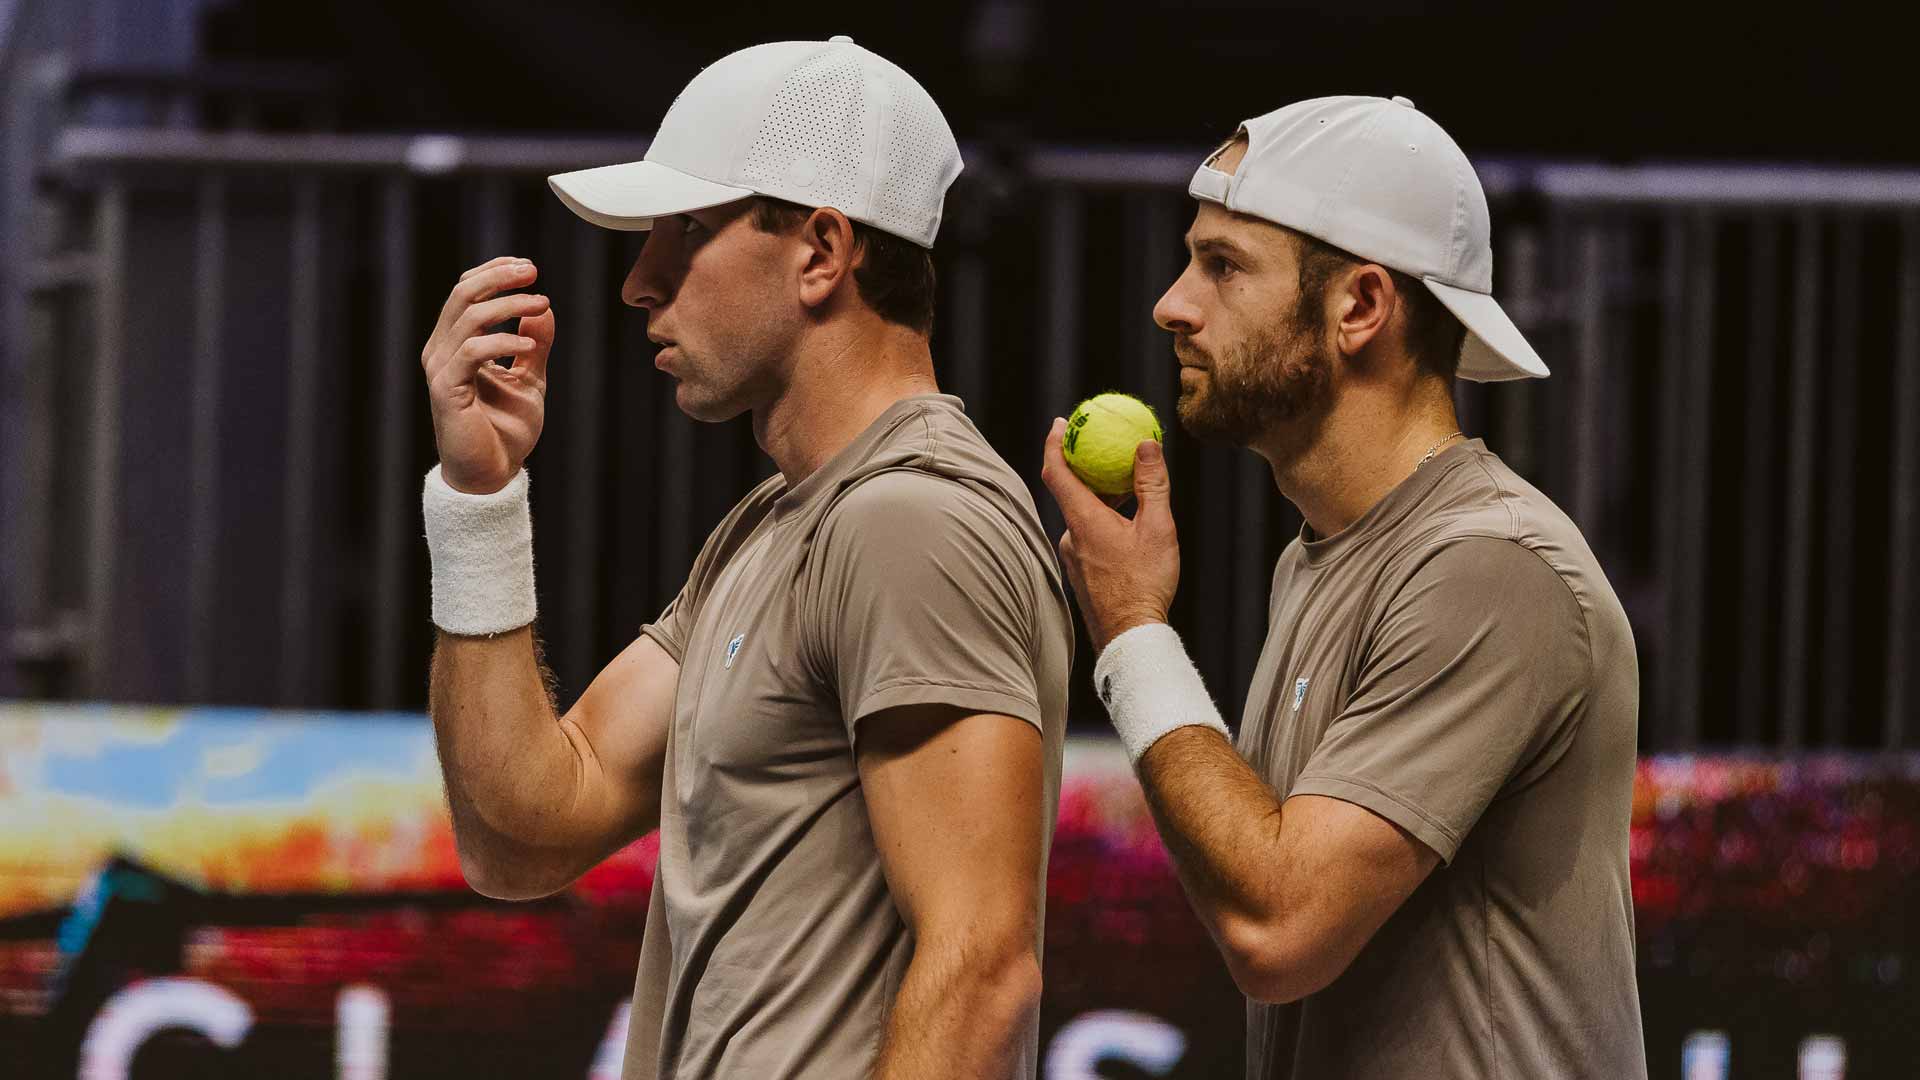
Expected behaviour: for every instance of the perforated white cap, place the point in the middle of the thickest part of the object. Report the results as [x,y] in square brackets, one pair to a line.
[1378,178]
[820,123]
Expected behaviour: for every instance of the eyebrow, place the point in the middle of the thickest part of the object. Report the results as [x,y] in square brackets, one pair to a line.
[1218,245]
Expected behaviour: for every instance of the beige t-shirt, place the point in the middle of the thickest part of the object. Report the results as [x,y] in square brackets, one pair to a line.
[1456,662]
[911,568]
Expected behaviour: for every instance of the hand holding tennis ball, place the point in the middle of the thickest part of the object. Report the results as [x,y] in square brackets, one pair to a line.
[1124,570]
[1101,437]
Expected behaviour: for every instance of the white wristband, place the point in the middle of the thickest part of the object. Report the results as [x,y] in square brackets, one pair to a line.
[1151,687]
[481,547]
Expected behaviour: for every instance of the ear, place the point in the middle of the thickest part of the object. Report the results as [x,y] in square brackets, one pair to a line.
[831,255]
[1364,304]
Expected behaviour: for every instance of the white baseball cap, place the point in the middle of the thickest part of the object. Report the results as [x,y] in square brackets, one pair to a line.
[820,123]
[1378,178]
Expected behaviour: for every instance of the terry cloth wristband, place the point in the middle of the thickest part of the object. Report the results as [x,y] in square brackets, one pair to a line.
[1150,687]
[481,547]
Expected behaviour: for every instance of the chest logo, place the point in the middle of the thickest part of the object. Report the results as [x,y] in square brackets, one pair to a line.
[733,647]
[1299,693]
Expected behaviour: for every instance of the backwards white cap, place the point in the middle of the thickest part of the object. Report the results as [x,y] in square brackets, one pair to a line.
[820,123]
[1381,180]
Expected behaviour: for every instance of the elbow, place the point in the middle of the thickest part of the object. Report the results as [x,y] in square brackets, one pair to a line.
[1001,982]
[1012,994]
[1020,984]
[1274,962]
[498,878]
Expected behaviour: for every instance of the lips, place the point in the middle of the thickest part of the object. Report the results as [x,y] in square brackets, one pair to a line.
[666,345]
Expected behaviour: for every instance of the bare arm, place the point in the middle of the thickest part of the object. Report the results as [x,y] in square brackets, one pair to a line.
[958,815]
[539,798]
[1290,892]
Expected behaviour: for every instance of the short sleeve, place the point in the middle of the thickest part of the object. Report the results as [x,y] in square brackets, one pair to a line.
[670,629]
[922,593]
[1471,686]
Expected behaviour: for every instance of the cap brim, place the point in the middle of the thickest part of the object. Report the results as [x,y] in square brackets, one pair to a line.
[1495,350]
[628,197]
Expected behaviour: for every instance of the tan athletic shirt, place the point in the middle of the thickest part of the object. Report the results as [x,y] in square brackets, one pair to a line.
[910,568]
[1456,662]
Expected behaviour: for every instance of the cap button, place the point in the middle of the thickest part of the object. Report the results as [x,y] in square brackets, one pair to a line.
[841,37]
[1398,100]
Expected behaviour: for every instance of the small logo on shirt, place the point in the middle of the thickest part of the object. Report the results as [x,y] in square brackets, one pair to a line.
[1299,693]
[734,647]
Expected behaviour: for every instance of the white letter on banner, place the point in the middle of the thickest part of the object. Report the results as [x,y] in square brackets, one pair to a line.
[1705,1055]
[613,1048]
[136,1013]
[1136,1038]
[361,1015]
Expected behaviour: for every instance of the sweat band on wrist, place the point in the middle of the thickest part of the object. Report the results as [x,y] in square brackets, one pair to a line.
[1151,687]
[481,547]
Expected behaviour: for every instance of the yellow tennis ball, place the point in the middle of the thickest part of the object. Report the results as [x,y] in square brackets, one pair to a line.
[1101,436]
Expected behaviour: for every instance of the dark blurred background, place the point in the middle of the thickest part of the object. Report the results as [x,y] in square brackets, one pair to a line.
[1700,215]
[229,225]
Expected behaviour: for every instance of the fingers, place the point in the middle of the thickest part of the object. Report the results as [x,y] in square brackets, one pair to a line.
[476,352]
[477,318]
[482,283]
[1077,501]
[490,264]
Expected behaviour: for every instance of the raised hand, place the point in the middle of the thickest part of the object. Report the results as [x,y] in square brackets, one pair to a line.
[486,418]
[1124,571]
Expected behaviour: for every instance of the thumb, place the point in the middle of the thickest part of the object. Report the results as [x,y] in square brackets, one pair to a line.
[1151,484]
[540,328]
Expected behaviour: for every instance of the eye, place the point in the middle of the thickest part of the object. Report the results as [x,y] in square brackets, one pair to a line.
[691,228]
[1217,267]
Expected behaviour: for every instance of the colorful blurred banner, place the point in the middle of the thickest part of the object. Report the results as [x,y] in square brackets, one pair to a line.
[245,893]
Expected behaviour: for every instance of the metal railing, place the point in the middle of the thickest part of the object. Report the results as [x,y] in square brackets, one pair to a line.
[221,504]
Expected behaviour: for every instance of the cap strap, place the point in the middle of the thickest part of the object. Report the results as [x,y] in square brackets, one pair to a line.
[1210,184]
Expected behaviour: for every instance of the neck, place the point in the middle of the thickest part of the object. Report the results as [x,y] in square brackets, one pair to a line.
[1366,444]
[839,383]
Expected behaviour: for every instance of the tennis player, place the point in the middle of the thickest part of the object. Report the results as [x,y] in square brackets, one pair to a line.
[848,725]
[1414,857]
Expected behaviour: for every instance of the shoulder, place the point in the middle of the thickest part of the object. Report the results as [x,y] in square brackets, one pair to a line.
[1480,495]
[1482,504]
[1481,595]
[952,448]
[1487,569]
[904,502]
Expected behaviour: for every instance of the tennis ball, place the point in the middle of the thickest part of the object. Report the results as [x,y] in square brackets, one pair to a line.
[1101,436]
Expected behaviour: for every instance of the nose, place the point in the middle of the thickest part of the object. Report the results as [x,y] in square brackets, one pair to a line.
[1175,310]
[649,284]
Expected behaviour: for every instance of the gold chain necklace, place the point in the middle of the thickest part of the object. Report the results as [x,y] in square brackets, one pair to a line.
[1435,448]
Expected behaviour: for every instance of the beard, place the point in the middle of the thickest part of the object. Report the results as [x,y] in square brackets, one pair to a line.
[1251,390]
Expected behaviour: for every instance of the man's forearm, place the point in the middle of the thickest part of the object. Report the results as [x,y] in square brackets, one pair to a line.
[1219,821]
[513,772]
[964,1010]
